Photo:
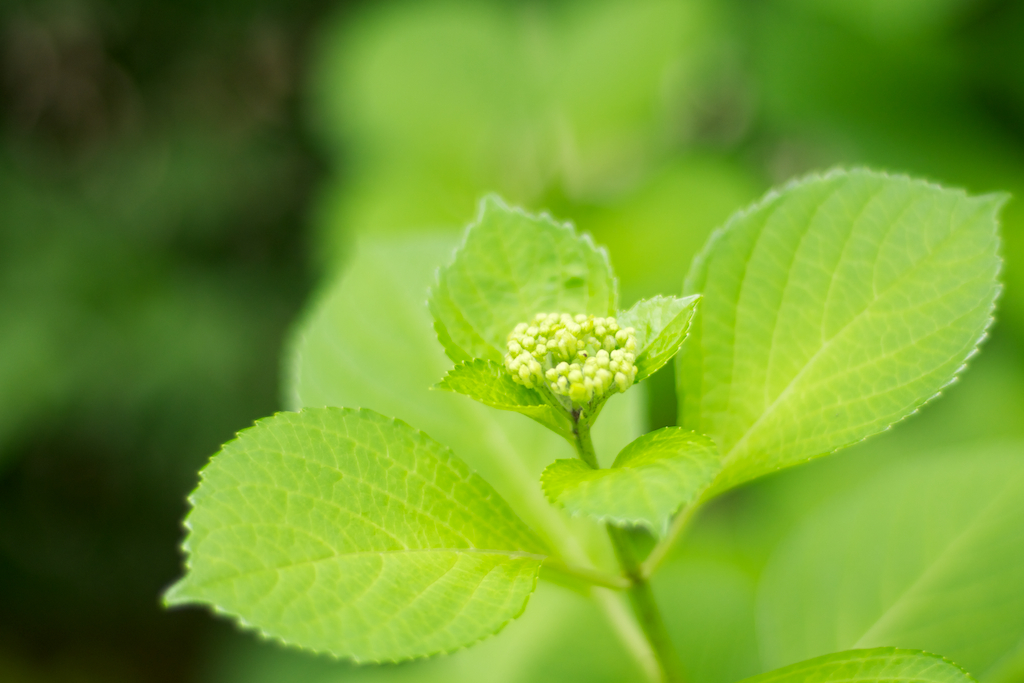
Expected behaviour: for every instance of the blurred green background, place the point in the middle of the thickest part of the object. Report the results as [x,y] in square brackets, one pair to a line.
[177,177]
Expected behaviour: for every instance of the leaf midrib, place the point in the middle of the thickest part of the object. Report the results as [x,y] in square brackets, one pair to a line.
[511,554]
[893,611]
[810,361]
[389,494]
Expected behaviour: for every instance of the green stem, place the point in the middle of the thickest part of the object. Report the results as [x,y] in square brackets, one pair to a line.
[582,443]
[639,590]
[675,532]
[591,576]
[646,609]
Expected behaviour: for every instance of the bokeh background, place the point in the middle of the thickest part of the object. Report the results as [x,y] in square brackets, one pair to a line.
[178,177]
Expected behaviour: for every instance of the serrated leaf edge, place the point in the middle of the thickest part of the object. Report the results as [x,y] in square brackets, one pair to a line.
[487,361]
[245,624]
[772,195]
[693,312]
[617,520]
[544,216]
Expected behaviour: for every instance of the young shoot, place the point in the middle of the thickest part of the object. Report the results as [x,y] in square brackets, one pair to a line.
[823,314]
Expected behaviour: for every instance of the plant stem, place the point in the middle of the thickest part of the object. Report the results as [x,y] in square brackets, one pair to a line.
[675,532]
[584,446]
[639,590]
[645,608]
[591,576]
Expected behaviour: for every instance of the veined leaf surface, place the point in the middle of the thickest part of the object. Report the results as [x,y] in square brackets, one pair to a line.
[488,382]
[511,266]
[560,638]
[650,480]
[661,324]
[926,556]
[830,310]
[347,532]
[881,665]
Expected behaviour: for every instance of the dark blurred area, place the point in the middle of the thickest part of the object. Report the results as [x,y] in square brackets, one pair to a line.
[176,176]
[153,183]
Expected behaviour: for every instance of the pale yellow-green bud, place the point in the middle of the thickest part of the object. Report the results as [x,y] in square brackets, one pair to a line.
[621,381]
[578,393]
[578,357]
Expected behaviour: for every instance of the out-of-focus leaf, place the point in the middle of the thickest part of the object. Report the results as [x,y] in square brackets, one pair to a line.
[708,603]
[624,75]
[707,589]
[927,555]
[832,309]
[347,532]
[880,665]
[87,296]
[436,103]
[890,20]
[663,223]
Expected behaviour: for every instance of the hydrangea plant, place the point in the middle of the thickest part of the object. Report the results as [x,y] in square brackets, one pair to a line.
[829,310]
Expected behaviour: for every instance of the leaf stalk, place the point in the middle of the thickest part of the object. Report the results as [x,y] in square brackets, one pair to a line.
[582,442]
[589,575]
[675,532]
[641,598]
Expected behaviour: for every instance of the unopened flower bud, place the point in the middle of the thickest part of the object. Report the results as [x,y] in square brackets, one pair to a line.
[578,356]
[621,381]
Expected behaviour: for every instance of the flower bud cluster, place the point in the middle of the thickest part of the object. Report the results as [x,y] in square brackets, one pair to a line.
[580,357]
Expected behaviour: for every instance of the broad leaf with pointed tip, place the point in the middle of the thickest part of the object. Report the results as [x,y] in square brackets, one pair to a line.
[661,324]
[881,665]
[488,382]
[831,309]
[511,266]
[650,480]
[350,533]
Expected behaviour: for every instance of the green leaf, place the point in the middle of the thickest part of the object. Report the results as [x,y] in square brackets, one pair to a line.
[346,532]
[368,342]
[487,382]
[650,480]
[926,556]
[830,310]
[561,638]
[661,324]
[511,266]
[880,665]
